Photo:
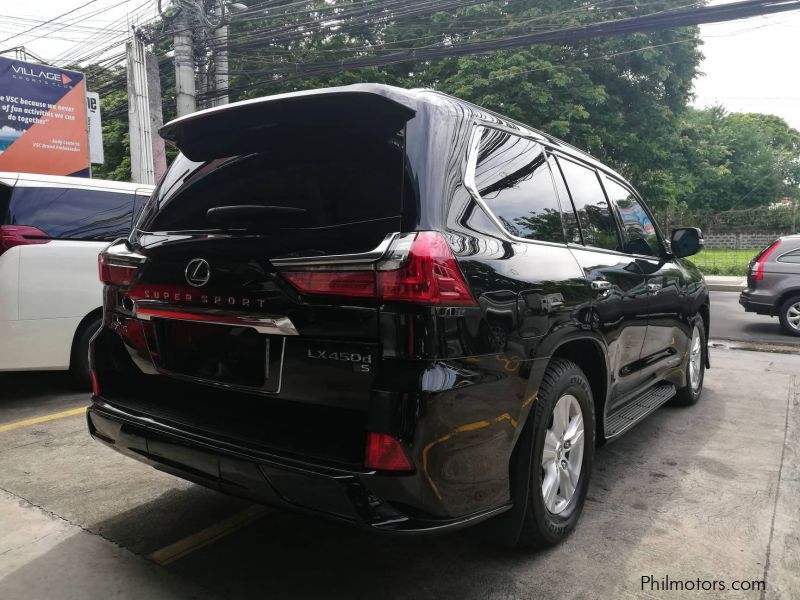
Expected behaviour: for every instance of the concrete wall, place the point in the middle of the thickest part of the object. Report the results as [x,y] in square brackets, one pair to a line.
[741,239]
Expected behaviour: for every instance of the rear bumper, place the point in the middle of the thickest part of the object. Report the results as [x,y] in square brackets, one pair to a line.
[752,302]
[278,481]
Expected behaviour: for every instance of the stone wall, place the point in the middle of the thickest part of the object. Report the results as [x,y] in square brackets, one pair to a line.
[741,239]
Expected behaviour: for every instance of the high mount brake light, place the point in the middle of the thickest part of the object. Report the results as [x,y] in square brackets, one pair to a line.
[758,266]
[20,235]
[418,268]
[385,453]
[115,272]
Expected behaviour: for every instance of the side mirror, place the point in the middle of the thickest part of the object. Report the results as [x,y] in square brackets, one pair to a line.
[686,241]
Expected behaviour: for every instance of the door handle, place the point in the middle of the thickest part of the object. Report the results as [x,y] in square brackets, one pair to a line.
[599,285]
[653,288]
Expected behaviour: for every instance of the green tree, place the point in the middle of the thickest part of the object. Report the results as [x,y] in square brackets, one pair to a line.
[730,161]
[620,98]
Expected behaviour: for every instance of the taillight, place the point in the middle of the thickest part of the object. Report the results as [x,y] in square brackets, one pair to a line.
[359,284]
[385,453]
[429,274]
[20,235]
[114,271]
[757,270]
[419,268]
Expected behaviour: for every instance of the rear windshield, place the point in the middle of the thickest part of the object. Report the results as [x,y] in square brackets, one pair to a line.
[69,213]
[335,180]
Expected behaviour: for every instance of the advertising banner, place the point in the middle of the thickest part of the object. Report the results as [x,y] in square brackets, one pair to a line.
[42,119]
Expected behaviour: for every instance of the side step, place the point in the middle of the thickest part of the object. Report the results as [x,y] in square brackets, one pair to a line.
[634,411]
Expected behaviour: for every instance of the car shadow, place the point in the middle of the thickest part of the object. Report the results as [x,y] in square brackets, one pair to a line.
[772,329]
[29,394]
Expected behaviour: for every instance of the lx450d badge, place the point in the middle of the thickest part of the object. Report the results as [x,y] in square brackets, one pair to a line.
[361,361]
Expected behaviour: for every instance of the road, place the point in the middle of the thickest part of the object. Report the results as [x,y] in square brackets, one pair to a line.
[730,322]
[706,492]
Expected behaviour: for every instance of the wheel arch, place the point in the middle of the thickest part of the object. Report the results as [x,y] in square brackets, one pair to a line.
[785,295]
[591,356]
[96,313]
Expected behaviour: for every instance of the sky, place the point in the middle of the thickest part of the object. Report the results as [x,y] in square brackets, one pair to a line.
[749,66]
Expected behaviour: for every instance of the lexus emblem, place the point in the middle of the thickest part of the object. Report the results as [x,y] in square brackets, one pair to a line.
[198,272]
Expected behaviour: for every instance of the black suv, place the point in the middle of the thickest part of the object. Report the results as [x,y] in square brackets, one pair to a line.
[394,308]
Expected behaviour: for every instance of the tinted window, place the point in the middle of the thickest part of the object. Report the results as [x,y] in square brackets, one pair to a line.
[791,257]
[72,213]
[638,232]
[596,221]
[335,181]
[513,178]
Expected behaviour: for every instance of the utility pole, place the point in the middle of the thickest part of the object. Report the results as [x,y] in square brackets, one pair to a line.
[221,56]
[148,156]
[184,63]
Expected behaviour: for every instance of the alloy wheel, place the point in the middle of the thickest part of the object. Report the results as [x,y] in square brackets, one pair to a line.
[562,455]
[793,316]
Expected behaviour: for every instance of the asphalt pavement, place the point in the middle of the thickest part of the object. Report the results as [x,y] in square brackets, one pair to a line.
[705,493]
[730,322]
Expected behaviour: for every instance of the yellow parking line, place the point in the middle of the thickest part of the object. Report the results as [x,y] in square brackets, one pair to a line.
[203,538]
[44,419]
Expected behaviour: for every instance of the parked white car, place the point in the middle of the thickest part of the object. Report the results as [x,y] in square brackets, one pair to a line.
[51,231]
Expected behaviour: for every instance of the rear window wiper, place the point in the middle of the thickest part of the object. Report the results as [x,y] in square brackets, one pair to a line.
[244,214]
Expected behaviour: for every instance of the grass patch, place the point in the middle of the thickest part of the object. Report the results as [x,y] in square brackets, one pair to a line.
[723,261]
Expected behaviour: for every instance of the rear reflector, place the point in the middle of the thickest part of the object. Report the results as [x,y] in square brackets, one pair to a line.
[757,269]
[20,235]
[418,268]
[95,384]
[385,453]
[113,272]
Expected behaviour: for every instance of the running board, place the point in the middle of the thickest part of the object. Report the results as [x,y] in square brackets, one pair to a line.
[631,413]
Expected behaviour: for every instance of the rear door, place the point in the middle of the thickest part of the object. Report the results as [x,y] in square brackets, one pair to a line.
[668,330]
[618,283]
[216,234]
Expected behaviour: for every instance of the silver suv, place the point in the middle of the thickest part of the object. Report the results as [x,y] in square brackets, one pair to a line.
[773,283]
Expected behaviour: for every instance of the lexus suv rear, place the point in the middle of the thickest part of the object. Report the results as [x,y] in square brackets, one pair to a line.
[393,308]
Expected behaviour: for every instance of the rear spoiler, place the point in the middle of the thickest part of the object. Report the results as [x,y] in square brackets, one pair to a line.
[242,127]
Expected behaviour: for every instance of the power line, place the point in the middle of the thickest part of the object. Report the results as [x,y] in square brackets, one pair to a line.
[69,12]
[650,22]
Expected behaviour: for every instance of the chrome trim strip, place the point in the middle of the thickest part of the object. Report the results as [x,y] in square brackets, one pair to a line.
[341,259]
[270,325]
[119,249]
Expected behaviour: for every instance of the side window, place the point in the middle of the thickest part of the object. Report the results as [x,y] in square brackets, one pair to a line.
[638,232]
[593,214]
[513,179]
[790,257]
[72,213]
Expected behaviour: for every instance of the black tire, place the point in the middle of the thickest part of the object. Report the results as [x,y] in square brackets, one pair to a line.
[690,394]
[783,314]
[539,527]
[79,360]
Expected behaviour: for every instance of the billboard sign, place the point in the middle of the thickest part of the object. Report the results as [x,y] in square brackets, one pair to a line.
[42,119]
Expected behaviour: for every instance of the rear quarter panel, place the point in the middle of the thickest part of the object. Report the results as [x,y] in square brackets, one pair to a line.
[59,279]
